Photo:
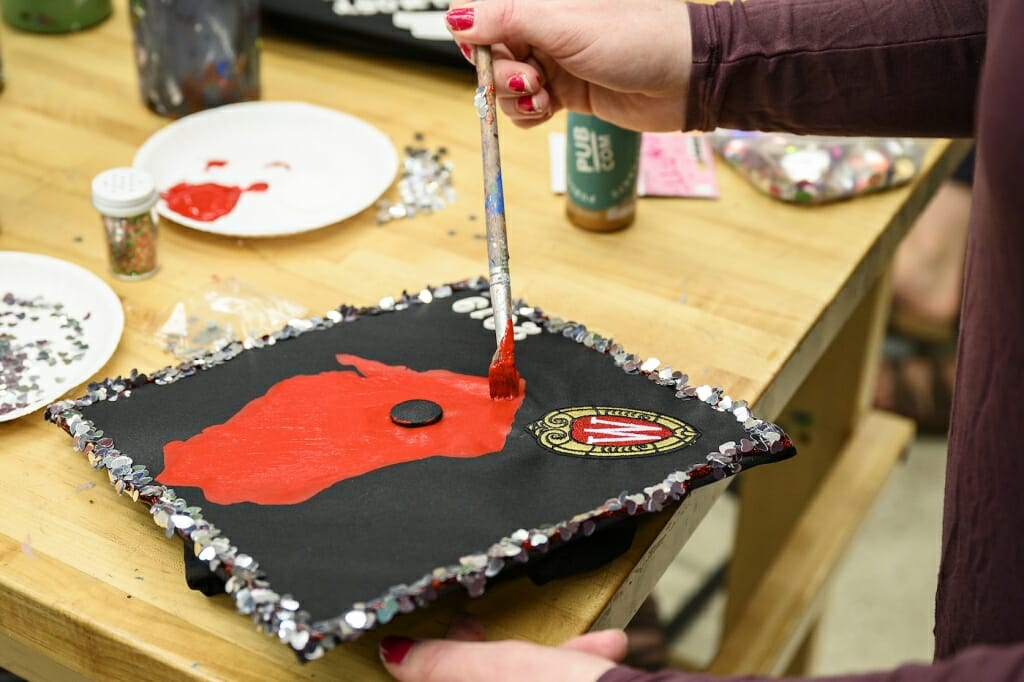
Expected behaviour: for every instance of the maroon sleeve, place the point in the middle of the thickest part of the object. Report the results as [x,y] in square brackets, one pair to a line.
[988,663]
[853,67]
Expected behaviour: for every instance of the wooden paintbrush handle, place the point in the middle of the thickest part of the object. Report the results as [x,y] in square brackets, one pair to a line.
[494,200]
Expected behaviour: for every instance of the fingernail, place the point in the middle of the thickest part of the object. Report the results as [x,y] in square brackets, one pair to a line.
[460,18]
[517,83]
[467,51]
[394,649]
[525,104]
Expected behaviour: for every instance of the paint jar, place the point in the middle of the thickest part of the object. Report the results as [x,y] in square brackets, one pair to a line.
[602,165]
[126,199]
[54,16]
[196,54]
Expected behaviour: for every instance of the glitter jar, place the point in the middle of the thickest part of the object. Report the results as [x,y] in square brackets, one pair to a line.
[55,16]
[602,166]
[126,199]
[196,54]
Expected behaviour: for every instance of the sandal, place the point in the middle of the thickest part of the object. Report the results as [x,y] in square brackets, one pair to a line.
[647,642]
[910,325]
[916,381]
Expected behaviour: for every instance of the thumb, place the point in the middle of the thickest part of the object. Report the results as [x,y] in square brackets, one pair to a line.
[610,644]
[409,660]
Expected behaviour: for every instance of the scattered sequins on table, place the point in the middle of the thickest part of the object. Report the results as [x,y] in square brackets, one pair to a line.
[425,185]
[26,353]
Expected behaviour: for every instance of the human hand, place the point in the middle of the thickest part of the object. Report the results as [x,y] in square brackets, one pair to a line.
[625,62]
[464,658]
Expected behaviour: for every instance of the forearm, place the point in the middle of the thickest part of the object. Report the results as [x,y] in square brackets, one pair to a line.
[873,67]
[989,663]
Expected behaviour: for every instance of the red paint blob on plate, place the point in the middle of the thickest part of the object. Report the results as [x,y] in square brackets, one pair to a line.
[206,201]
[309,432]
[215,163]
[279,164]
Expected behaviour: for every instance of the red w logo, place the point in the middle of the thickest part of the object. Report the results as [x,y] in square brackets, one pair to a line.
[617,431]
[596,431]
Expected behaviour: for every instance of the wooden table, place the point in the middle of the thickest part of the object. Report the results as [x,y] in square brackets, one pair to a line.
[745,292]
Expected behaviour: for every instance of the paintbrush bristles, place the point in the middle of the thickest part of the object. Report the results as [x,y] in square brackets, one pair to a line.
[504,382]
[503,376]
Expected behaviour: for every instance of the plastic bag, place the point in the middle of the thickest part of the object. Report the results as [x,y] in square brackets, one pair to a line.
[808,169]
[226,310]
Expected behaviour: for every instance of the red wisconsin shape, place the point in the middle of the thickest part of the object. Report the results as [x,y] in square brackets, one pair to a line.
[309,432]
[610,430]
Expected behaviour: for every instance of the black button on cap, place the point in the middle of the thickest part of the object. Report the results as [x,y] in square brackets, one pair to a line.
[416,413]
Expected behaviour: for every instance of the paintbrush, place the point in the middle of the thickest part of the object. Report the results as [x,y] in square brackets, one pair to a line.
[502,376]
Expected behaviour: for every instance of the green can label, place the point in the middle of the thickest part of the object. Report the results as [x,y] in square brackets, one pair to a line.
[54,16]
[602,162]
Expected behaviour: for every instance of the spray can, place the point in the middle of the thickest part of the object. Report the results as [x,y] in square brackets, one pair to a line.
[602,165]
[54,16]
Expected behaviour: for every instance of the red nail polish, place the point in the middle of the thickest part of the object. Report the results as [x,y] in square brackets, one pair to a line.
[395,649]
[460,18]
[467,51]
[517,83]
[525,104]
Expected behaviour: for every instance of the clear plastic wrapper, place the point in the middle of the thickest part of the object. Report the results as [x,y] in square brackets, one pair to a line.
[808,169]
[225,310]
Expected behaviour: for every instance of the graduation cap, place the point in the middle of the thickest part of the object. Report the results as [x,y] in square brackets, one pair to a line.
[351,467]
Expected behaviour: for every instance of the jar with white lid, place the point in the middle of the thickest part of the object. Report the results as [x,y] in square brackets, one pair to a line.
[126,199]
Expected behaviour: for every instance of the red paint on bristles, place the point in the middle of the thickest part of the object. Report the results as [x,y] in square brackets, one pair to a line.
[503,376]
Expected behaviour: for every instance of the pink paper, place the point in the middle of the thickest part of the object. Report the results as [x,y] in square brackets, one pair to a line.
[676,165]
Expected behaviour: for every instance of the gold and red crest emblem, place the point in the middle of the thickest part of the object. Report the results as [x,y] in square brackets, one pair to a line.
[611,432]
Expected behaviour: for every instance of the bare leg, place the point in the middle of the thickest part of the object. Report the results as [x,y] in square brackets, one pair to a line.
[916,376]
[928,269]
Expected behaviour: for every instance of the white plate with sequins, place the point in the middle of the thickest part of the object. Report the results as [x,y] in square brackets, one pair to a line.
[267,169]
[59,324]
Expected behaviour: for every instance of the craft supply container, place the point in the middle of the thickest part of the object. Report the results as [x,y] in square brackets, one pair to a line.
[813,169]
[54,16]
[196,54]
[126,199]
[602,166]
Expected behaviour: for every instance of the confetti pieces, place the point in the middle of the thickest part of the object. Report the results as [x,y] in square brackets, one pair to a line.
[28,346]
[808,169]
[425,186]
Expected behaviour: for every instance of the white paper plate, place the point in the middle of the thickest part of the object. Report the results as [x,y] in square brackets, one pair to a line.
[337,165]
[92,307]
